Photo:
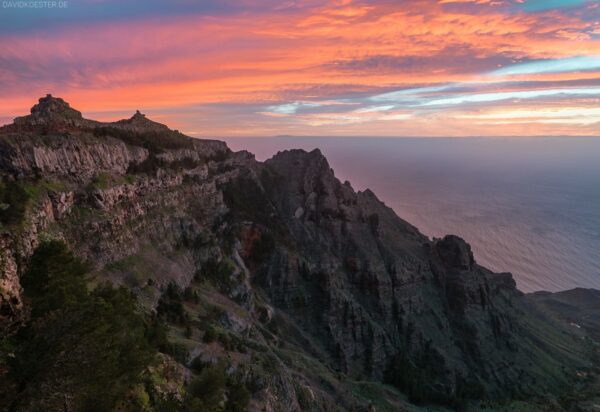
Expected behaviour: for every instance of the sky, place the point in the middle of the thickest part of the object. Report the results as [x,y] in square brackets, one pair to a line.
[307,67]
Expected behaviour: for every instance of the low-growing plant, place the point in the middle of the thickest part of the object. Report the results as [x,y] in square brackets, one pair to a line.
[76,344]
[13,202]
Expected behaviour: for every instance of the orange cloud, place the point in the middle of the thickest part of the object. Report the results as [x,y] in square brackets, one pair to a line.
[334,51]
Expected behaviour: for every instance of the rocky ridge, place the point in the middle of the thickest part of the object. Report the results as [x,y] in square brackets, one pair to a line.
[337,292]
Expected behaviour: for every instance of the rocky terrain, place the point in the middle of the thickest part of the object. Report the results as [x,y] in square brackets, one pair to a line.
[308,295]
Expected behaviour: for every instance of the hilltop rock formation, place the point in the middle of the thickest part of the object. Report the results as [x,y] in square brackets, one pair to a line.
[326,289]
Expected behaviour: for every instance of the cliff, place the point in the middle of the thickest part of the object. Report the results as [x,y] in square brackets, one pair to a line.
[332,301]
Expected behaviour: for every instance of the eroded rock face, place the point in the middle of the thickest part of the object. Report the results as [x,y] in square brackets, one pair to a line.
[10,289]
[367,286]
[455,253]
[66,156]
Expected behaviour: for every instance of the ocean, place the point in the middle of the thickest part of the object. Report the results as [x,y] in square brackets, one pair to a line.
[529,206]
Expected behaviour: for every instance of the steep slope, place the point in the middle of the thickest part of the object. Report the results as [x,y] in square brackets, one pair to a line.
[369,288]
[312,294]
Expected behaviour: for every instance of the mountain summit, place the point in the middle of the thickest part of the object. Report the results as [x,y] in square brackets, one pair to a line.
[50,111]
[54,107]
[140,123]
[250,286]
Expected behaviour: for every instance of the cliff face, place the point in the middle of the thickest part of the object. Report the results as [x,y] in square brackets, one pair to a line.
[334,288]
[369,288]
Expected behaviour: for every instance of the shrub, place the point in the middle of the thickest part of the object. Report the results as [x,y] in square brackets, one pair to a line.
[209,387]
[170,305]
[197,365]
[101,181]
[190,295]
[238,398]
[13,203]
[177,350]
[219,273]
[154,141]
[55,279]
[87,347]
[210,334]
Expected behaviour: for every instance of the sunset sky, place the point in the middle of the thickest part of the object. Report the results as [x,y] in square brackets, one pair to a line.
[308,67]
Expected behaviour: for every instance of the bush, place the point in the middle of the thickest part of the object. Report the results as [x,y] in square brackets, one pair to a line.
[154,141]
[176,350]
[87,347]
[209,387]
[170,305]
[207,391]
[13,203]
[238,398]
[219,273]
[156,333]
[197,365]
[55,279]
[190,295]
[210,334]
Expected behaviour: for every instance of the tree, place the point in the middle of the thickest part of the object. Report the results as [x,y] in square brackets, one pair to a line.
[83,348]
[13,202]
[238,398]
[209,386]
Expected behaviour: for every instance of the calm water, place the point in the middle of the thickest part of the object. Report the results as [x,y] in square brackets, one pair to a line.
[530,206]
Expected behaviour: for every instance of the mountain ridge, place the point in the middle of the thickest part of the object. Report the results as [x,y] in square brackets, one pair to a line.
[338,292]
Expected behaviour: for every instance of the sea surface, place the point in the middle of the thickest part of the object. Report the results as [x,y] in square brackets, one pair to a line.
[530,206]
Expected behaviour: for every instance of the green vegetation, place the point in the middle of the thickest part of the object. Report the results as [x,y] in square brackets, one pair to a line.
[17,195]
[154,141]
[87,350]
[208,389]
[210,334]
[13,202]
[101,181]
[152,163]
[191,295]
[212,390]
[105,180]
[238,397]
[218,272]
[77,344]
[416,378]
[170,306]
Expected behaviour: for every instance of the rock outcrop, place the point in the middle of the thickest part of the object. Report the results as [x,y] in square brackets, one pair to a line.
[11,302]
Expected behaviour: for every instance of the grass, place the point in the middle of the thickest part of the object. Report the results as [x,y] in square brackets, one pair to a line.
[384,398]
[105,180]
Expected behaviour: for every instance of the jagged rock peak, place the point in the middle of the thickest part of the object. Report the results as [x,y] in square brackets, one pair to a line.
[297,157]
[140,123]
[303,166]
[50,113]
[138,115]
[455,253]
[51,106]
